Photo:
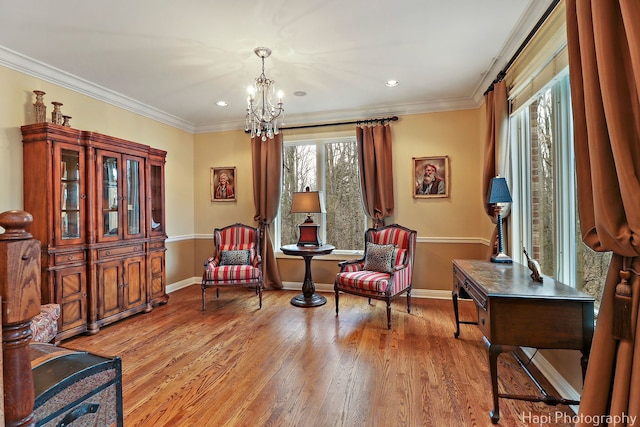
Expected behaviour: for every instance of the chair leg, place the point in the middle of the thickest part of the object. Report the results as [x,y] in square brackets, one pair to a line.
[337,298]
[217,293]
[388,313]
[409,301]
[204,298]
[259,289]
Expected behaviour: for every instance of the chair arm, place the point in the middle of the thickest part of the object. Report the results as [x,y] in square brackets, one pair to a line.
[210,263]
[399,267]
[351,265]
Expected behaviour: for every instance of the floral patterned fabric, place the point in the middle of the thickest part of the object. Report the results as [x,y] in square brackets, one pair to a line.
[44,326]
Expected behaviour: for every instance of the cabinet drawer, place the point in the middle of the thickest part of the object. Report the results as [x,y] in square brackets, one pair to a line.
[69,257]
[119,250]
[156,245]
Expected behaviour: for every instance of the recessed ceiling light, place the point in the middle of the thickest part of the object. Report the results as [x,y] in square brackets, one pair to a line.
[221,103]
[299,93]
[392,83]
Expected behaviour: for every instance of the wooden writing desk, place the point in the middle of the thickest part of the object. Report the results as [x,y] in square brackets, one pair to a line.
[514,310]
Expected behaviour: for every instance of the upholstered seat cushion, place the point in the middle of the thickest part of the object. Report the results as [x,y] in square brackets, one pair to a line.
[236,273]
[44,326]
[364,280]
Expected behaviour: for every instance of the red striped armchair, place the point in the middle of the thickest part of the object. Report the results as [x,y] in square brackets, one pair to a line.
[385,270]
[236,261]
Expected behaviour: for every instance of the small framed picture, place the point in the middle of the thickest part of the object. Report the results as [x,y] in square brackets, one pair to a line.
[223,184]
[431,177]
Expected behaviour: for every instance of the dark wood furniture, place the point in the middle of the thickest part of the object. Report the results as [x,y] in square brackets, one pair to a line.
[98,208]
[20,292]
[308,297]
[516,311]
[357,277]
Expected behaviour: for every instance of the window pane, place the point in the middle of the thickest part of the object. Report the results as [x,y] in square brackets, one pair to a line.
[330,166]
[543,230]
[342,196]
[299,172]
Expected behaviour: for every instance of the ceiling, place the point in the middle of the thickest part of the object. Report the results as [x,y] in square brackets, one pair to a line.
[172,61]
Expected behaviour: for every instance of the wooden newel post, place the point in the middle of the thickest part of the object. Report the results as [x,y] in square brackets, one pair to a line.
[20,290]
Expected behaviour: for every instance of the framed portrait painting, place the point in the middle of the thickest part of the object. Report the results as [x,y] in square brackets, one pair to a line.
[431,177]
[223,184]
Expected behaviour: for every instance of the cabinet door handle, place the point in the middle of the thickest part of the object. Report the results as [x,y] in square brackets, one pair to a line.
[83,196]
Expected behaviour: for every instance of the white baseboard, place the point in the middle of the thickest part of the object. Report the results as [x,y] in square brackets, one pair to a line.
[182,284]
[558,382]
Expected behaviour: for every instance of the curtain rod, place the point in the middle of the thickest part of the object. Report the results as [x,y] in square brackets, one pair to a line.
[524,44]
[354,122]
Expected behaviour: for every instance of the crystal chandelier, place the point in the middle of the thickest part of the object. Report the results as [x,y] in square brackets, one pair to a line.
[262,114]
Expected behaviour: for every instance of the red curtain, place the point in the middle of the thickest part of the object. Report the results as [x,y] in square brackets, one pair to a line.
[267,189]
[497,117]
[604,64]
[376,171]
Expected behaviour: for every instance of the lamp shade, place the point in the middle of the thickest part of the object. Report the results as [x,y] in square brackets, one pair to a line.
[307,202]
[499,191]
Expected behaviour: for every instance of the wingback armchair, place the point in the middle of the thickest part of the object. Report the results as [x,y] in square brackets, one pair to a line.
[385,270]
[236,260]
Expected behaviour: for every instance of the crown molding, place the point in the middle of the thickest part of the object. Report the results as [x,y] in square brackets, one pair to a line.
[42,71]
[535,10]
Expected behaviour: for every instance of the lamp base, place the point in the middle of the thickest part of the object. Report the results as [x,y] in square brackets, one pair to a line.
[501,258]
[309,234]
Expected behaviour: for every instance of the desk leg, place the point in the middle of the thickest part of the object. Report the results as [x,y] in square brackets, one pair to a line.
[308,298]
[494,352]
[454,296]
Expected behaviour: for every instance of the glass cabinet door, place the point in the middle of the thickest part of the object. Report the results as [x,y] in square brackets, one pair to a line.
[134,192]
[69,197]
[110,200]
[156,215]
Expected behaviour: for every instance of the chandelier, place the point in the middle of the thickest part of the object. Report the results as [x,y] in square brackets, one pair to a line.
[262,114]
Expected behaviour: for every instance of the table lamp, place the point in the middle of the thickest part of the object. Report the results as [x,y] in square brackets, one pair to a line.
[498,194]
[308,202]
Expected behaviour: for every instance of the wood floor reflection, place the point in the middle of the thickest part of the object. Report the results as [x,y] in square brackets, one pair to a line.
[237,365]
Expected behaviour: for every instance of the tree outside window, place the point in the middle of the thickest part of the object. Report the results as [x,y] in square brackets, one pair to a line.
[330,166]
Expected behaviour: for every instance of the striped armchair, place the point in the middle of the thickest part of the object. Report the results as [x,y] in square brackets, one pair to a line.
[236,260]
[385,270]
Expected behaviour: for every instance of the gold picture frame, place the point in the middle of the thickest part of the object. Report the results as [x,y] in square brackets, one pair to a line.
[431,177]
[223,184]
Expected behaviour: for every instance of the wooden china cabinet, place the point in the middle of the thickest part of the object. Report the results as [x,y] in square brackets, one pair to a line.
[98,208]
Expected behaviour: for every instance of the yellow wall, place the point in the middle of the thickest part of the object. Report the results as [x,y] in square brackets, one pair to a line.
[16,109]
[447,227]
[453,227]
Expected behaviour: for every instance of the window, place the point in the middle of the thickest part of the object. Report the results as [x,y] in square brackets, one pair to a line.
[545,217]
[331,166]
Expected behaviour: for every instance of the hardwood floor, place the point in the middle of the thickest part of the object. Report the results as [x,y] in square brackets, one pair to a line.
[237,365]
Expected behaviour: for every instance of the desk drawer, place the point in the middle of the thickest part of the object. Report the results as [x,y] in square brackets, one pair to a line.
[470,288]
[484,323]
